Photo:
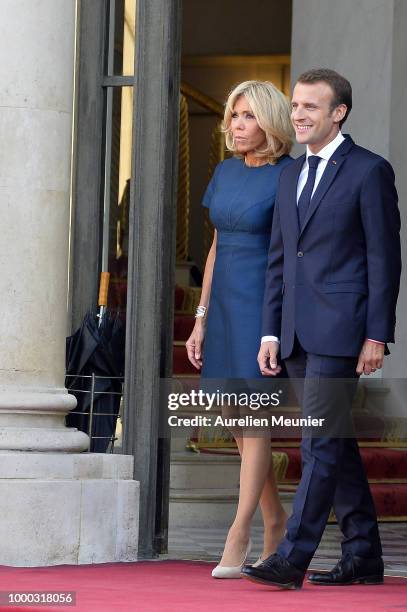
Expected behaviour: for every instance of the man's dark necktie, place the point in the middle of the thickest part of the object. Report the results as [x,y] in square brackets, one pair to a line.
[306,194]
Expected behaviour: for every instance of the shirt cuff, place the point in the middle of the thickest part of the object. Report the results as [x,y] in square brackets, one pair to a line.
[270,339]
[376,341]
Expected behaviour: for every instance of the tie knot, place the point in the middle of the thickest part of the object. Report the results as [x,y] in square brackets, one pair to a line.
[313,161]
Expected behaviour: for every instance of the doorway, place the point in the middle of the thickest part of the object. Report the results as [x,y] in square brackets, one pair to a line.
[223,44]
[220,44]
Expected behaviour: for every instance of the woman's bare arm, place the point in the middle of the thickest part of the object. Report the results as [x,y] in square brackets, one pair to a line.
[195,341]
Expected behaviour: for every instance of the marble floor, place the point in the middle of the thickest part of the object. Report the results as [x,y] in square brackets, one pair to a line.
[207,545]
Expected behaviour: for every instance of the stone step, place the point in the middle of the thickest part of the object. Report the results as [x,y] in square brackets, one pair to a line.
[178,443]
[190,471]
[212,508]
[204,490]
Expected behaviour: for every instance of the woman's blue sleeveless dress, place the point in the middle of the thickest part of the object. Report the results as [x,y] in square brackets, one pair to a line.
[240,201]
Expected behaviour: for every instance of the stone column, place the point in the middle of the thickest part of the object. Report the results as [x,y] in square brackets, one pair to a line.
[55,506]
[365,41]
[37,41]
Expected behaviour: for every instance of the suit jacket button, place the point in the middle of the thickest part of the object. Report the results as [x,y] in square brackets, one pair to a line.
[300,254]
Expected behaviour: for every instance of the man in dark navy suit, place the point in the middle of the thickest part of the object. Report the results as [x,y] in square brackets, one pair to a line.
[330,298]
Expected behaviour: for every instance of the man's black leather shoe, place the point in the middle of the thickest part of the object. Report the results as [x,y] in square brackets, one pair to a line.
[275,571]
[351,570]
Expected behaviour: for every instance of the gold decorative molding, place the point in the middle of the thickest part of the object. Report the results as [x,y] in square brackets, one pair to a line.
[217,154]
[182,247]
[202,99]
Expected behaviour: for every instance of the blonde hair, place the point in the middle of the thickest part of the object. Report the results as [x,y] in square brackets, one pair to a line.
[272,112]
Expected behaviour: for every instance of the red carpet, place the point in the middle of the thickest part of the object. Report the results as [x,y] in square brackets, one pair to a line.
[181,586]
[385,464]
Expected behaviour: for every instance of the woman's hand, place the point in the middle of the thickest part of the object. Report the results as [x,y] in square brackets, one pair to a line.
[194,344]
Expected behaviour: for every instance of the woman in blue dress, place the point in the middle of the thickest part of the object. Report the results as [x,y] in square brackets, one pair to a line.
[226,337]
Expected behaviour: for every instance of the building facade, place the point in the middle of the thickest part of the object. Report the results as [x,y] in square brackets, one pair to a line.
[114,76]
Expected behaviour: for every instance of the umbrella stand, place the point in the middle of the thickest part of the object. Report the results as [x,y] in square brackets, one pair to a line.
[92,413]
[95,370]
[90,418]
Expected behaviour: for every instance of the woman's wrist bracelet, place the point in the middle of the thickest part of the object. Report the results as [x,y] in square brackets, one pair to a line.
[200,312]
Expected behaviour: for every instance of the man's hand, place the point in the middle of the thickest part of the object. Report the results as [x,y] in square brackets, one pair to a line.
[267,358]
[370,358]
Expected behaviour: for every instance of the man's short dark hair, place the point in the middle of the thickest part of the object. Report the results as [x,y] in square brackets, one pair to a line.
[340,86]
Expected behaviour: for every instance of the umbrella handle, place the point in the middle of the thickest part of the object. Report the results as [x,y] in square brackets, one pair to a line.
[103,291]
[103,288]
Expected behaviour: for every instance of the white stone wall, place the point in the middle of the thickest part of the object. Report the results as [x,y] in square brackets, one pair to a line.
[366,42]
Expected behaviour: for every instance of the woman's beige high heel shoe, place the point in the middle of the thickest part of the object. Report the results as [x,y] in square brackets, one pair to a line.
[221,571]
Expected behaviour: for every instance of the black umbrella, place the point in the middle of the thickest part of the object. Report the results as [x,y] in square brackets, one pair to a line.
[94,374]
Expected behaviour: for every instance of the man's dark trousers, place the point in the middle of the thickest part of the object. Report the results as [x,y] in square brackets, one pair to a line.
[333,473]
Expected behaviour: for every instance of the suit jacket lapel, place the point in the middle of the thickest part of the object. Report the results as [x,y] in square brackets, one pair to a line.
[330,172]
[291,207]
